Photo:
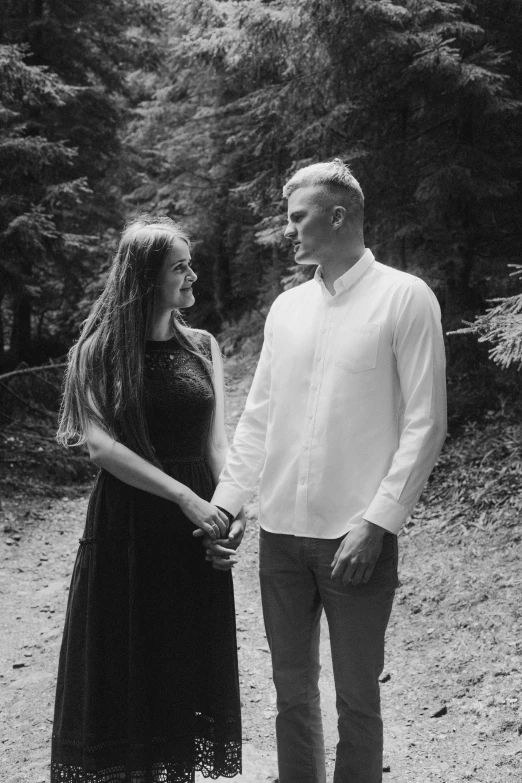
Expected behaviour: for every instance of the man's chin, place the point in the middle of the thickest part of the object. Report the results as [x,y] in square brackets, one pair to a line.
[304,261]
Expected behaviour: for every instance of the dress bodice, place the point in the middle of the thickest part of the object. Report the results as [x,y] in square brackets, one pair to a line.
[179,400]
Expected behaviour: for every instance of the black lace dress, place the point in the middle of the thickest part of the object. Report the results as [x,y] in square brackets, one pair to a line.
[148,688]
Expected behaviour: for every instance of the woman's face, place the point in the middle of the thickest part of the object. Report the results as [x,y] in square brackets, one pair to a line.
[173,289]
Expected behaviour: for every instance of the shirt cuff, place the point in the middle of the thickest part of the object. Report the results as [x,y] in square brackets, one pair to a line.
[228,501]
[386,513]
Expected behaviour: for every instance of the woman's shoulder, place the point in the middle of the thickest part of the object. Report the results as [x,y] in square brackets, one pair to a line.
[192,330]
[204,342]
[201,336]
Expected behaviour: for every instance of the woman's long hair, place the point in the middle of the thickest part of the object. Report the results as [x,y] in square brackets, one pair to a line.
[104,379]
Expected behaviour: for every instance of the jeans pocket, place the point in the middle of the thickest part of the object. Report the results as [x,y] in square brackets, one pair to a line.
[269,552]
[385,571]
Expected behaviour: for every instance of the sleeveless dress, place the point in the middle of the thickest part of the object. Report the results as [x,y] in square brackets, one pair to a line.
[148,687]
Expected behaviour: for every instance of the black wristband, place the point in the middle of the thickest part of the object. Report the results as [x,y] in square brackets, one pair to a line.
[230,516]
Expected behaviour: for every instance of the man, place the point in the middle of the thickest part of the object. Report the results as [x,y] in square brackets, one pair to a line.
[345,417]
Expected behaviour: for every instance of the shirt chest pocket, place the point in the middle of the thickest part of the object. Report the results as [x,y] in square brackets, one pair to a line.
[357,347]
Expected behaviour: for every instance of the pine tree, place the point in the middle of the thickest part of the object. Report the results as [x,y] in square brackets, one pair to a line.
[421,98]
[34,187]
[63,77]
[211,135]
[502,326]
[423,102]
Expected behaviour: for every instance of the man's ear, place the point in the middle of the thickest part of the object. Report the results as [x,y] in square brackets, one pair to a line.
[338,217]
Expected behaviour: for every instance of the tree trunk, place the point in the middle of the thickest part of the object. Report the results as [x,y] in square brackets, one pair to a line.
[2,334]
[460,300]
[36,33]
[15,18]
[21,343]
[37,26]
[221,273]
[22,307]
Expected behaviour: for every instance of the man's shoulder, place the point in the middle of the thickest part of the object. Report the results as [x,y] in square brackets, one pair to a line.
[410,293]
[398,276]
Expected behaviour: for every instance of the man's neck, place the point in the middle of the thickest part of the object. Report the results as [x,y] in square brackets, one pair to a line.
[333,269]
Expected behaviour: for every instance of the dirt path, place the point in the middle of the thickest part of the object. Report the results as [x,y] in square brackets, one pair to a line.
[452,686]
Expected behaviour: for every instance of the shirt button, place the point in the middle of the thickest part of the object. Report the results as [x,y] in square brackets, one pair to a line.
[302,481]
[314,387]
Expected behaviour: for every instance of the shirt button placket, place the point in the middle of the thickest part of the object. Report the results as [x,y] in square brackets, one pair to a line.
[306,453]
[315,385]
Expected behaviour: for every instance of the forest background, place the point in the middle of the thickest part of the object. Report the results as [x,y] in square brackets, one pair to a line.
[200,110]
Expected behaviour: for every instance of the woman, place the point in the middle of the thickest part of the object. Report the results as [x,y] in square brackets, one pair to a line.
[147,684]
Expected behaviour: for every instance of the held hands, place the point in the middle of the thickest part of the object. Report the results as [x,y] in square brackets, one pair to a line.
[208,519]
[222,552]
[355,559]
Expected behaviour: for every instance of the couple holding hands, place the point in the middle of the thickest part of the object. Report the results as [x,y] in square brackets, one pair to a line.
[345,419]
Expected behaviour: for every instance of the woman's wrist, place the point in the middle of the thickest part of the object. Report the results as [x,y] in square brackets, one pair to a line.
[180,493]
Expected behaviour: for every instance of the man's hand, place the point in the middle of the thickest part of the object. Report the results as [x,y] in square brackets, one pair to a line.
[220,554]
[237,530]
[355,559]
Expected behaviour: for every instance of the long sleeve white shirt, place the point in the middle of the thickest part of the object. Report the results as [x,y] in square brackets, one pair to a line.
[347,410]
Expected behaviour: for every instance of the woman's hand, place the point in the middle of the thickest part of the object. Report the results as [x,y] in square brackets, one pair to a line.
[210,520]
[222,552]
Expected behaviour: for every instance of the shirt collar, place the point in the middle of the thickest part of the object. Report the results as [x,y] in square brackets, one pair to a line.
[350,277]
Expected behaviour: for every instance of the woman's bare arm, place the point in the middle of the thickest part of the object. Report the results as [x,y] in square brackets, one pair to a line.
[126,465]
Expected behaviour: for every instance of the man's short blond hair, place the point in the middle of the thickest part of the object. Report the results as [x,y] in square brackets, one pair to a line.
[333,177]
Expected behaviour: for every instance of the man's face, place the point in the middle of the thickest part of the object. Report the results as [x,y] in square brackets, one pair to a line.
[310,226]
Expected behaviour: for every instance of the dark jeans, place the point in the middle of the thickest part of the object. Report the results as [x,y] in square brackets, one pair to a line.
[295,586]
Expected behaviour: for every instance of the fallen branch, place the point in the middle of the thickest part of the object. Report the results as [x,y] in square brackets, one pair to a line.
[23,459]
[32,406]
[32,454]
[28,370]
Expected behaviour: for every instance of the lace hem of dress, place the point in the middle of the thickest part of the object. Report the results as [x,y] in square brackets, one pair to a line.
[159,772]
